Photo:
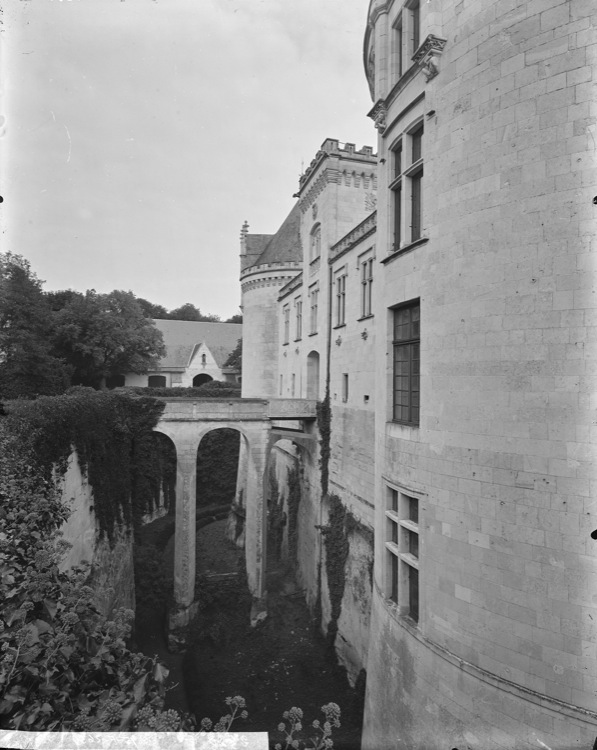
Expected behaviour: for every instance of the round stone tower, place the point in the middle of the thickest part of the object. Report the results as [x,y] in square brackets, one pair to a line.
[268,262]
[484,615]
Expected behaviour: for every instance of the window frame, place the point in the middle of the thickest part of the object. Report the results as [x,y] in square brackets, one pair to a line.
[313,309]
[409,347]
[286,324]
[406,186]
[345,386]
[315,243]
[298,310]
[403,552]
[340,291]
[366,277]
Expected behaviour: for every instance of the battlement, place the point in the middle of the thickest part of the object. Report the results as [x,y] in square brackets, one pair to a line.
[333,147]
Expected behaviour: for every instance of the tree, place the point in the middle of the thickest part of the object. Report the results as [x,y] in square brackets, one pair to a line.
[235,358]
[238,318]
[104,335]
[152,311]
[188,311]
[27,364]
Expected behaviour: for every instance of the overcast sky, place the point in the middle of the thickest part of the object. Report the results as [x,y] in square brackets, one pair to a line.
[140,134]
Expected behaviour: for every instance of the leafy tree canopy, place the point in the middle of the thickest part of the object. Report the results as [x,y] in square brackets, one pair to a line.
[103,335]
[27,364]
[188,311]
[153,311]
[238,318]
[235,358]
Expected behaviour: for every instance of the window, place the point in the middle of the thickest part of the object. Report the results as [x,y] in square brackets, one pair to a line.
[406,346]
[398,52]
[341,299]
[416,180]
[402,552]
[407,188]
[315,245]
[314,302]
[366,287]
[286,314]
[292,384]
[156,381]
[281,384]
[415,26]
[298,309]
[344,387]
[396,189]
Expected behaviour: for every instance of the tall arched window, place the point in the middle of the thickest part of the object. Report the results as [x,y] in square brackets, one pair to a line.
[315,247]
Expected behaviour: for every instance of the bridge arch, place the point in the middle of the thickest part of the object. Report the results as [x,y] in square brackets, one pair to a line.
[187,422]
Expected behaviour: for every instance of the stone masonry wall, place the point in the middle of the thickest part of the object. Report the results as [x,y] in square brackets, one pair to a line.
[113,573]
[505,651]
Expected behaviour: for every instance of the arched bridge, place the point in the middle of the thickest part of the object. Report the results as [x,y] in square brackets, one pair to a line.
[261,423]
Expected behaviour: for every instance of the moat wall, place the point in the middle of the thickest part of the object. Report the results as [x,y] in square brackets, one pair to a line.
[112,564]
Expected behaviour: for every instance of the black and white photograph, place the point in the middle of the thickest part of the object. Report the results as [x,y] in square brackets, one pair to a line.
[298,374]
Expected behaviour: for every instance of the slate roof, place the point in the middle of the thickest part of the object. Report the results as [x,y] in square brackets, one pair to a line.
[182,337]
[285,245]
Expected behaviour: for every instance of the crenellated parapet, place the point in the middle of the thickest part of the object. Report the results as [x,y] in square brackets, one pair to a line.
[332,147]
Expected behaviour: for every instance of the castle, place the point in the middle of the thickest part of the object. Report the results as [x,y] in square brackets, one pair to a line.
[438,298]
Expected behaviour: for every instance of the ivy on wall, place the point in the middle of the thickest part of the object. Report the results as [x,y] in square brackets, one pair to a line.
[293,501]
[324,423]
[112,433]
[341,525]
[335,540]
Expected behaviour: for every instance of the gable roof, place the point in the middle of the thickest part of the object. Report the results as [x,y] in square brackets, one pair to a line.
[182,337]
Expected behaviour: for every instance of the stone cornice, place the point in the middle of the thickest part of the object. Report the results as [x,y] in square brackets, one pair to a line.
[266,268]
[363,230]
[260,283]
[328,175]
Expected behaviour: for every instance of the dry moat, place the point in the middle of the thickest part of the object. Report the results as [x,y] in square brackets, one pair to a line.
[282,662]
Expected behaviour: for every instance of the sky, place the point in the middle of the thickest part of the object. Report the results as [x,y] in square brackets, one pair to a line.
[139,135]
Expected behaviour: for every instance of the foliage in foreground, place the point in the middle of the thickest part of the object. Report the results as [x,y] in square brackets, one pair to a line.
[63,666]
[318,737]
[117,449]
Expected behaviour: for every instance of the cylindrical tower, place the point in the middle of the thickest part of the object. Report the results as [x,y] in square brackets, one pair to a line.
[484,620]
[267,263]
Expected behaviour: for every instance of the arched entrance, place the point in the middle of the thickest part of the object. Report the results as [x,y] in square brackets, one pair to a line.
[313,375]
[201,379]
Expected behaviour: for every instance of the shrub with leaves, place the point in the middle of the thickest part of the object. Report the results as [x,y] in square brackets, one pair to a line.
[63,666]
[292,728]
[235,705]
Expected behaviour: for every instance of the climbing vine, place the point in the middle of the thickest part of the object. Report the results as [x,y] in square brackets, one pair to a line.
[324,422]
[335,540]
[112,435]
[294,499]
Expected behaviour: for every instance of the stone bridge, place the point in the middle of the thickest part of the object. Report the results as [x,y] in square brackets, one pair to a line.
[261,424]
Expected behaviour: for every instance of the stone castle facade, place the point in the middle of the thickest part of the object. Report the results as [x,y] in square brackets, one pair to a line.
[441,295]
